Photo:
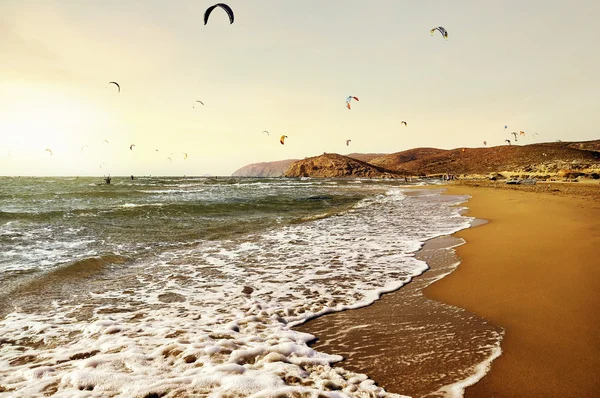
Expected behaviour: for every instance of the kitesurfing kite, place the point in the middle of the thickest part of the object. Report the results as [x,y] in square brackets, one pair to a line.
[521,133]
[101,165]
[441,30]
[116,84]
[348,142]
[404,123]
[265,131]
[105,141]
[48,150]
[170,160]
[484,142]
[185,155]
[507,141]
[199,102]
[282,139]
[515,134]
[350,98]
[131,147]
[83,147]
[224,6]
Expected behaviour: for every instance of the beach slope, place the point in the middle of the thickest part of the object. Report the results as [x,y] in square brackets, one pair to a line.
[534,269]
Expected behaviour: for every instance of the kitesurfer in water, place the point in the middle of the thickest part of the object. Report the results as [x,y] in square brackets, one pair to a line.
[107,180]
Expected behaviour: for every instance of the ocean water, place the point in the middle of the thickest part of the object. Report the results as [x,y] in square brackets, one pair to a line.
[177,287]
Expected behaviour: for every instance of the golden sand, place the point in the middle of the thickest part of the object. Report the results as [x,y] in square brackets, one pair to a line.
[534,269]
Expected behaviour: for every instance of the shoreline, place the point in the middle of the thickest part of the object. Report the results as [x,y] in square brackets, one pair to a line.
[534,270]
[525,368]
[363,336]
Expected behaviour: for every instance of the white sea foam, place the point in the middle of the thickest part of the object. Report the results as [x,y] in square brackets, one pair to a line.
[457,389]
[130,205]
[217,319]
[43,246]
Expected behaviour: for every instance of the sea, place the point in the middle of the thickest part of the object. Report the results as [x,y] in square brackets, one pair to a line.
[193,287]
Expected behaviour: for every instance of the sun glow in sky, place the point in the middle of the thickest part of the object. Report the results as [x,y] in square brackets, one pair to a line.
[284,66]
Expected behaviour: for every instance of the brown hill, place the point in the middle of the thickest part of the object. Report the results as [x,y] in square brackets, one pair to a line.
[365,157]
[586,145]
[540,159]
[562,159]
[265,169]
[334,165]
[395,161]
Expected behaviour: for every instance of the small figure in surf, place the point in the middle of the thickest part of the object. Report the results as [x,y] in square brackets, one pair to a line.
[107,179]
[132,176]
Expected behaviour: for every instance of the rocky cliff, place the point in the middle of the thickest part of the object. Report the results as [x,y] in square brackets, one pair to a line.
[334,165]
[365,157]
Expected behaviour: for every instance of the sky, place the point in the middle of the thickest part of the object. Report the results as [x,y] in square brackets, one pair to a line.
[285,66]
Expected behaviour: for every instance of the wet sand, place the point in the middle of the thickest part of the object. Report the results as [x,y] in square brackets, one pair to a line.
[533,270]
[407,343]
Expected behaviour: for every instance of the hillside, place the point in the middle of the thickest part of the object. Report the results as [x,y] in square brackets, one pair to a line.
[544,160]
[265,169]
[395,161]
[585,145]
[365,157]
[334,165]
[535,159]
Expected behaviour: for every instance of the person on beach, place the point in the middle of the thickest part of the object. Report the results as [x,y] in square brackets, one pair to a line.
[107,180]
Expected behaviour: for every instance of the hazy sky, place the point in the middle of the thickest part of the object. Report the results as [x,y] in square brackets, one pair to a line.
[285,66]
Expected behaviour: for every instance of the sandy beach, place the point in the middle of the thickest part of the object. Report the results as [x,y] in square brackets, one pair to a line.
[533,270]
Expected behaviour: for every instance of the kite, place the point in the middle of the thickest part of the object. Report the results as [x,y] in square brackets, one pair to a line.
[350,98]
[441,30]
[116,84]
[48,150]
[348,142]
[507,141]
[83,147]
[282,139]
[170,160]
[404,123]
[224,6]
[194,106]
[185,155]
[484,142]
[131,147]
[265,131]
